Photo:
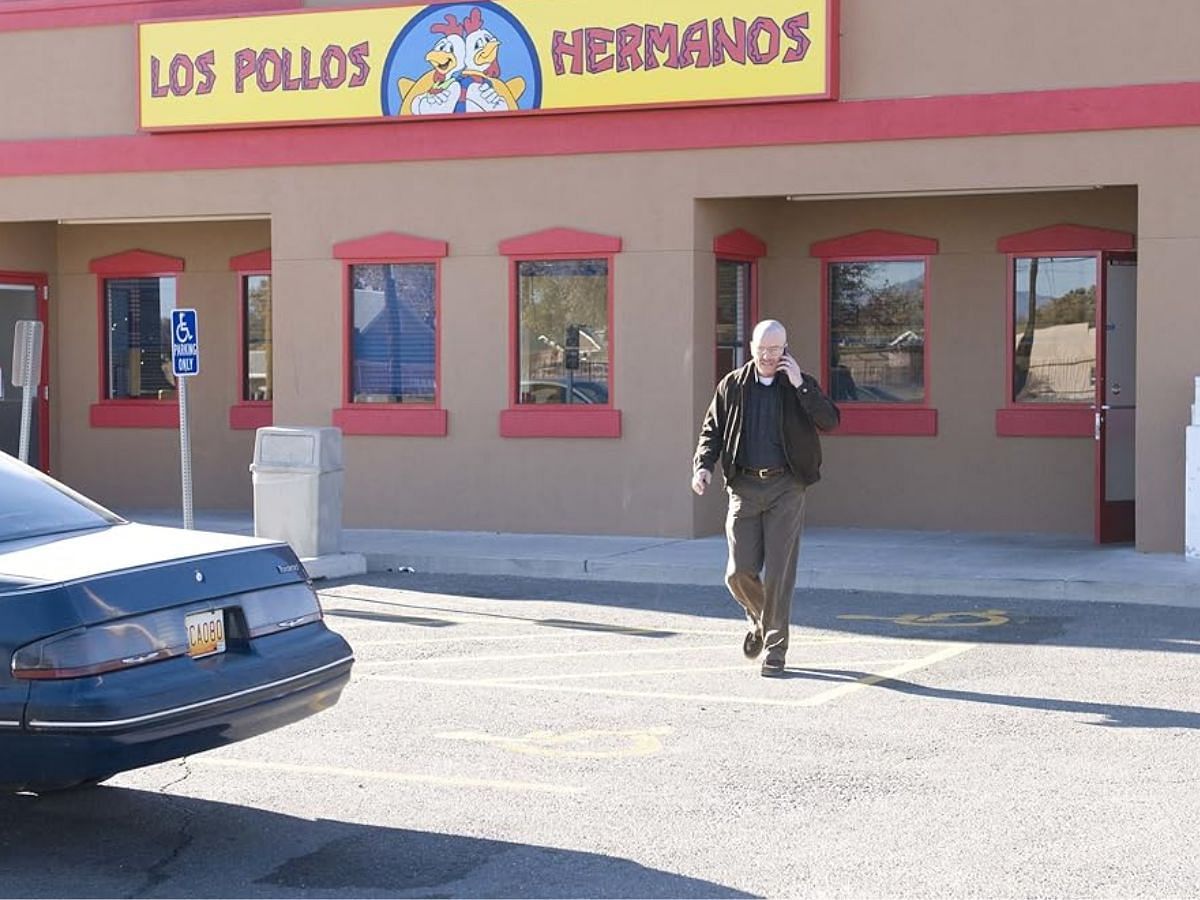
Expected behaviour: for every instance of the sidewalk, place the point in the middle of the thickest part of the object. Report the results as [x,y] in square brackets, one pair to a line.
[1049,567]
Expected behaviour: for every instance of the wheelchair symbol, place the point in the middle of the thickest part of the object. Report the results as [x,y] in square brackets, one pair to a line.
[973,619]
[183,333]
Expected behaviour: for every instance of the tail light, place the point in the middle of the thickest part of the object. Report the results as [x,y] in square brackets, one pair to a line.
[152,637]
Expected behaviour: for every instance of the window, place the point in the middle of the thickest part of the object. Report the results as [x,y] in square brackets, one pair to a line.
[255,357]
[737,254]
[875,364]
[138,357]
[137,291]
[392,336]
[393,333]
[1054,330]
[876,346]
[1051,362]
[563,325]
[562,336]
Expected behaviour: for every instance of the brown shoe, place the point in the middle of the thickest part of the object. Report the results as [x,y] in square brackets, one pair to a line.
[753,644]
[772,666]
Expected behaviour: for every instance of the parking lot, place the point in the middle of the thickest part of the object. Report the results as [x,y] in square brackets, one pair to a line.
[508,737]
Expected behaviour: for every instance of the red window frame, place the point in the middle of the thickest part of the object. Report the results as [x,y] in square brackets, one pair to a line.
[566,420]
[397,419]
[1049,419]
[739,246]
[248,414]
[123,413]
[877,245]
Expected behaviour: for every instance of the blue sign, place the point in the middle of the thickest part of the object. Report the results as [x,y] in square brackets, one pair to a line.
[185,342]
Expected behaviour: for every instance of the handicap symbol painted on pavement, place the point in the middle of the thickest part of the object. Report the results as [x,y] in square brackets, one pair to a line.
[973,619]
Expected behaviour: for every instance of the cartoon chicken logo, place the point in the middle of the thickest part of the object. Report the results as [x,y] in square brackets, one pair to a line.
[464,73]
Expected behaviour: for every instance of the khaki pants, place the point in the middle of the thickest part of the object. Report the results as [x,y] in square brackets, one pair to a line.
[763,530]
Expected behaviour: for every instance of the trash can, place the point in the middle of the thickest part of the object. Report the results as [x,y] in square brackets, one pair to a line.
[297,479]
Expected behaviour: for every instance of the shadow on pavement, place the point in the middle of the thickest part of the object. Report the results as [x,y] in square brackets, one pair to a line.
[115,842]
[1112,715]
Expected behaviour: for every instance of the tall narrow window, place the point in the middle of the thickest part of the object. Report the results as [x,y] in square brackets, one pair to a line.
[563,331]
[256,349]
[1054,329]
[733,314]
[138,346]
[876,347]
[393,339]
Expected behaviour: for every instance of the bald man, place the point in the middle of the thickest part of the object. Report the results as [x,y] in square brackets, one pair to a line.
[762,425]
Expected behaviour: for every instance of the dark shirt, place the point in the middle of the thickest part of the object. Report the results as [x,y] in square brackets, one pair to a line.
[761,446]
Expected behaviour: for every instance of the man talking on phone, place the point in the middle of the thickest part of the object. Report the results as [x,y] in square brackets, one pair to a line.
[762,425]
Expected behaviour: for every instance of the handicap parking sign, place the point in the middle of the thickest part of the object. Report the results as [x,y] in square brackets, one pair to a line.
[185,343]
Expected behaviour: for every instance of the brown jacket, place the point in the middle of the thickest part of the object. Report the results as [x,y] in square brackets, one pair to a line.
[804,410]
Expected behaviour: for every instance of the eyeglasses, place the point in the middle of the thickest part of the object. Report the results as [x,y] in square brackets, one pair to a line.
[768,351]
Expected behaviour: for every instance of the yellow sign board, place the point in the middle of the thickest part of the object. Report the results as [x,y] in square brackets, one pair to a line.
[450,59]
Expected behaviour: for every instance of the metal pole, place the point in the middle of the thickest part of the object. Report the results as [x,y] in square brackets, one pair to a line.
[27,396]
[185,452]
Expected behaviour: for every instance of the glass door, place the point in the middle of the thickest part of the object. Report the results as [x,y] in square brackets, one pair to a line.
[1116,392]
[22,297]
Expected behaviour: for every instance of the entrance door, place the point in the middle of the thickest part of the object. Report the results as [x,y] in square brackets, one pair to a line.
[1116,392]
[22,297]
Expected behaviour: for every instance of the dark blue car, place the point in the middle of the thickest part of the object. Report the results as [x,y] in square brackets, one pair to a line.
[124,645]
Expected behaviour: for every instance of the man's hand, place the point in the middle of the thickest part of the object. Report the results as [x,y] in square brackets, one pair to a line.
[791,368]
[700,481]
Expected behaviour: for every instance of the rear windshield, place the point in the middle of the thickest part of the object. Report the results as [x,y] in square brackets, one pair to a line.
[32,505]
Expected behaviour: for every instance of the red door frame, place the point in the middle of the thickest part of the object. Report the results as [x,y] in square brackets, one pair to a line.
[41,286]
[1114,521]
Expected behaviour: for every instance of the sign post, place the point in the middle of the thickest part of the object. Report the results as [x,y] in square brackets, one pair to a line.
[185,362]
[27,374]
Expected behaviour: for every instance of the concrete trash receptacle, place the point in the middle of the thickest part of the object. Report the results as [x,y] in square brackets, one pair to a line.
[297,480]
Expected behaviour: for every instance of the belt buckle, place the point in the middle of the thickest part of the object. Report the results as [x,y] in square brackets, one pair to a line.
[762,473]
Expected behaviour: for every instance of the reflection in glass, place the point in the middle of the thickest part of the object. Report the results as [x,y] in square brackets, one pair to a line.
[1054,328]
[733,309]
[563,321]
[877,331]
[139,338]
[393,343]
[257,328]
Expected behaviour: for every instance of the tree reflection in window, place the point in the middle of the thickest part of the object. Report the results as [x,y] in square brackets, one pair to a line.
[1054,329]
[877,331]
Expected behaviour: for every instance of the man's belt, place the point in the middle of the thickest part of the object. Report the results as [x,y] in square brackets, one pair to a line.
[762,473]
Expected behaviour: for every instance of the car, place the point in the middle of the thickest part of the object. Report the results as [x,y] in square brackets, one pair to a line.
[125,645]
[554,390]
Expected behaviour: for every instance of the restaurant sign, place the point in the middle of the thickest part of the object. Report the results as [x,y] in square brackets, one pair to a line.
[451,59]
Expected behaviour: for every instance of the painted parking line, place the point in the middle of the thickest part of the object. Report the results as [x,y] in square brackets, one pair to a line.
[382,775]
[556,685]
[588,744]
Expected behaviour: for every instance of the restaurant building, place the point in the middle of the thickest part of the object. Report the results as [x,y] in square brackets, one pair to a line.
[508,248]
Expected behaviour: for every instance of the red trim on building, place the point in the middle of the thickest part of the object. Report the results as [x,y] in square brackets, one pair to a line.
[256,263]
[1050,421]
[134,414]
[1065,238]
[675,128]
[392,419]
[29,15]
[390,245]
[135,264]
[741,244]
[879,245]
[906,421]
[557,420]
[565,422]
[247,415]
[875,244]
[561,242]
[396,419]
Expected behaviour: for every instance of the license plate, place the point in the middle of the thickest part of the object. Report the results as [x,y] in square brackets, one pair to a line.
[205,632]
